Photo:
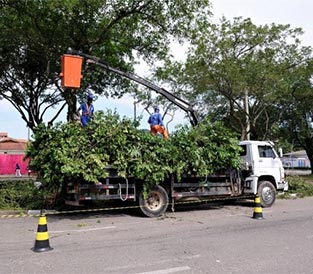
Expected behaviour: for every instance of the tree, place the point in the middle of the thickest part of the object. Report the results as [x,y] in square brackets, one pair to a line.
[34,34]
[236,71]
[296,125]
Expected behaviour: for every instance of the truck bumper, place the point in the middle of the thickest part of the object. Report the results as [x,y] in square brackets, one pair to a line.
[283,185]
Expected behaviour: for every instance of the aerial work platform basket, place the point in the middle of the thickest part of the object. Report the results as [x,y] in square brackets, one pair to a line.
[71,73]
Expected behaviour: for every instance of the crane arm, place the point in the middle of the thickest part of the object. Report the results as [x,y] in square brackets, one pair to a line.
[182,104]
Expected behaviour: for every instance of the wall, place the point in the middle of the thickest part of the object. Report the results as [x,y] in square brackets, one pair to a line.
[8,162]
[296,162]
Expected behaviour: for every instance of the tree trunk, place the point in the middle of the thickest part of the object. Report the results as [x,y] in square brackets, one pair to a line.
[310,156]
[309,151]
[71,101]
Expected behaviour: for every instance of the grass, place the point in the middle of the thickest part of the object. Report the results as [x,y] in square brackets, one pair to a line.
[307,178]
[17,195]
[301,185]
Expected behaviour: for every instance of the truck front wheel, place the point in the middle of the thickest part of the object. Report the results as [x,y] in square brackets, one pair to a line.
[155,203]
[267,193]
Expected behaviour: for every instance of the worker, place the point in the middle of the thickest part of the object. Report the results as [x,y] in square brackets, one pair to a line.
[87,110]
[156,124]
[17,170]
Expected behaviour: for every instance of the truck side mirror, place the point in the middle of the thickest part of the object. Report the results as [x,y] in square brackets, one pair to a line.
[280,152]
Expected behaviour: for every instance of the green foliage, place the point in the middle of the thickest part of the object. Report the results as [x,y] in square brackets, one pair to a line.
[70,152]
[298,185]
[204,149]
[236,59]
[34,35]
[21,195]
[296,115]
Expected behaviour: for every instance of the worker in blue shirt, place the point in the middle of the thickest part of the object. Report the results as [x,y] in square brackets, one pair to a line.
[87,110]
[156,124]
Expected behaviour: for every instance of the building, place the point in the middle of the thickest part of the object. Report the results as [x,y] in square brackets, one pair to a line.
[12,151]
[296,159]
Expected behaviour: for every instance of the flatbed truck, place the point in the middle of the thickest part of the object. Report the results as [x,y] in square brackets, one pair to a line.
[261,171]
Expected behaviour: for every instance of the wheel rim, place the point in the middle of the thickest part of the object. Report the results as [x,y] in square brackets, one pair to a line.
[267,194]
[154,201]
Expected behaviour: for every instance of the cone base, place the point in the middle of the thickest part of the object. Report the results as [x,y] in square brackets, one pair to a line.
[257,216]
[42,249]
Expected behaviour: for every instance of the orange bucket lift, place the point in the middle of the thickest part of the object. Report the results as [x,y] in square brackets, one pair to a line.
[71,74]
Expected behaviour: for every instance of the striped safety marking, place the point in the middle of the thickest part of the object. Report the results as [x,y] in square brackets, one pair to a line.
[121,208]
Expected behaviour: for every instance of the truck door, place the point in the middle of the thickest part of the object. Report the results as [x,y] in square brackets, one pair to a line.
[268,162]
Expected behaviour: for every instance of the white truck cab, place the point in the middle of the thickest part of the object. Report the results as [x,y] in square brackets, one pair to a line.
[262,170]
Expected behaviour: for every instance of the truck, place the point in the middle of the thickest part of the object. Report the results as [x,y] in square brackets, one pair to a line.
[261,172]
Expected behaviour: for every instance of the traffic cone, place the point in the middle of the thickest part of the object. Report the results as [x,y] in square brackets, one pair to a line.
[257,213]
[42,237]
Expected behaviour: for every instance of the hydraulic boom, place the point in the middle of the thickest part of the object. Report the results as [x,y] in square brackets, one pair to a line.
[182,104]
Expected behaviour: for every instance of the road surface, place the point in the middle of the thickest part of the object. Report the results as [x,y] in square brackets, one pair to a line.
[196,239]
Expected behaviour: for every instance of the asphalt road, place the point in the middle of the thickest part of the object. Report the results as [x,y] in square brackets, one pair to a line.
[195,239]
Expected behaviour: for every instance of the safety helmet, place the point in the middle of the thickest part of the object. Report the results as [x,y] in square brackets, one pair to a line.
[90,96]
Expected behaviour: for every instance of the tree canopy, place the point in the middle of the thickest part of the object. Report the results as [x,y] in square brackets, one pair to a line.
[34,34]
[237,71]
[296,127]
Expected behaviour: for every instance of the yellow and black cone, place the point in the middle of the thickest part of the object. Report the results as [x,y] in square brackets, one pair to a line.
[257,213]
[42,236]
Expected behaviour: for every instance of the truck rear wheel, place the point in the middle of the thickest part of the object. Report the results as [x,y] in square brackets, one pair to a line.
[156,202]
[267,193]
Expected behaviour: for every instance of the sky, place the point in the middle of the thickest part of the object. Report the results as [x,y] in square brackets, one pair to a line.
[296,13]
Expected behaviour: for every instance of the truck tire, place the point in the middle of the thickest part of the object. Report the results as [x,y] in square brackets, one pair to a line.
[156,202]
[267,193]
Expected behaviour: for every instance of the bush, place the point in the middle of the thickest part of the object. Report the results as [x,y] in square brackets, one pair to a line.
[21,195]
[298,185]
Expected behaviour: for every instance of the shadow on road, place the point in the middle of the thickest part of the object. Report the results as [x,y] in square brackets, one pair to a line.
[134,211]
